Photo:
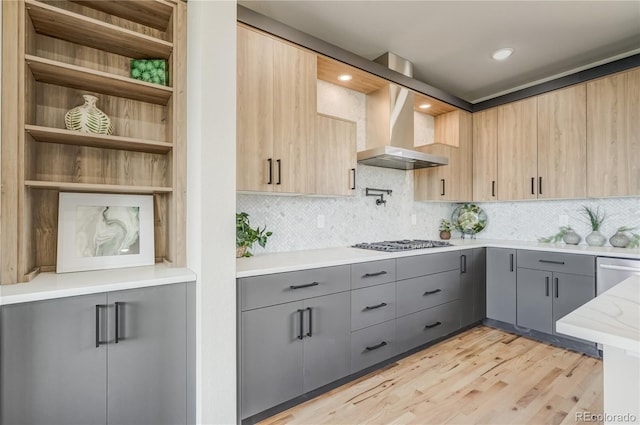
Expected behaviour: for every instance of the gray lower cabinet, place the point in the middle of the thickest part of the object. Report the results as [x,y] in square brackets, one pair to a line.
[373,345]
[472,286]
[501,284]
[534,300]
[64,361]
[426,325]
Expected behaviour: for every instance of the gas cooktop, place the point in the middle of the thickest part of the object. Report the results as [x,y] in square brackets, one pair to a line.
[403,245]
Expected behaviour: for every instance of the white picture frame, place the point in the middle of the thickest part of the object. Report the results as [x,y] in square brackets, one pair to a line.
[104,231]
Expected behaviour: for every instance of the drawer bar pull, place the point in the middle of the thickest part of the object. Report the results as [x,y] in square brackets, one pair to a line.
[306,285]
[551,262]
[301,319]
[310,333]
[433,326]
[435,291]
[373,307]
[375,347]
[380,273]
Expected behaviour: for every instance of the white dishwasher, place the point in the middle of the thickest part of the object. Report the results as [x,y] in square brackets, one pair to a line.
[611,271]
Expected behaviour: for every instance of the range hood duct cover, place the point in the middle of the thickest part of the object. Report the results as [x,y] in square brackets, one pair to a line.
[395,104]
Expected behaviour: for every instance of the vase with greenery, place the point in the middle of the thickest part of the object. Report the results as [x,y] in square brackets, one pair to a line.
[246,236]
[566,234]
[595,218]
[620,239]
[446,226]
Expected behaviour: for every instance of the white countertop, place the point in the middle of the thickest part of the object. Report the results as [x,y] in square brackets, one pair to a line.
[612,318]
[261,264]
[53,285]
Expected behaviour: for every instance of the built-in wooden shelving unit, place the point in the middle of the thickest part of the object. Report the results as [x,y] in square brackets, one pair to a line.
[66,49]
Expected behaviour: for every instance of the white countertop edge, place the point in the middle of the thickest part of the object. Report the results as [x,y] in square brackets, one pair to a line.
[47,286]
[281,262]
[601,337]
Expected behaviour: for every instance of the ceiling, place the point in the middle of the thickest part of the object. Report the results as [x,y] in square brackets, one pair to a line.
[450,42]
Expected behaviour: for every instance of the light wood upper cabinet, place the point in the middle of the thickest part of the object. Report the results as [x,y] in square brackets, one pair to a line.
[452,182]
[485,155]
[613,135]
[335,156]
[276,115]
[562,147]
[517,150]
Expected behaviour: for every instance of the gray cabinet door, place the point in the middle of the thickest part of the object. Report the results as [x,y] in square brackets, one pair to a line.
[147,365]
[501,284]
[479,271]
[534,300]
[52,372]
[426,325]
[373,305]
[426,291]
[327,347]
[570,291]
[467,293]
[271,356]
[373,345]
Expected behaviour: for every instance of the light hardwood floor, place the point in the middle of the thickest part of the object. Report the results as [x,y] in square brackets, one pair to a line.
[482,376]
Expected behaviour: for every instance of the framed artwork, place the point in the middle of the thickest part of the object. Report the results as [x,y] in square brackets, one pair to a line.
[103,231]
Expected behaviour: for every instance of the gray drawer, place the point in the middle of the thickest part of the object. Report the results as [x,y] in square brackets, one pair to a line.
[421,265]
[557,262]
[372,345]
[262,291]
[427,291]
[373,305]
[424,326]
[372,273]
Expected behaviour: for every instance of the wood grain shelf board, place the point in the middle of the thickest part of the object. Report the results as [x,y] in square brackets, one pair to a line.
[76,77]
[363,82]
[67,137]
[99,188]
[59,23]
[437,107]
[154,14]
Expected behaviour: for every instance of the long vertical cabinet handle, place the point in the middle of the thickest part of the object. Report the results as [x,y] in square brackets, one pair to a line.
[310,333]
[353,171]
[556,282]
[539,185]
[546,284]
[463,263]
[443,191]
[279,162]
[98,308]
[118,305]
[270,161]
[533,185]
[301,319]
[511,262]
[493,188]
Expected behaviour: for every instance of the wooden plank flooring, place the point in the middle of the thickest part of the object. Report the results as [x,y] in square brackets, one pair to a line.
[482,376]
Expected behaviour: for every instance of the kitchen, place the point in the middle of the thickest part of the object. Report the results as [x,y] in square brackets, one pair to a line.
[211,32]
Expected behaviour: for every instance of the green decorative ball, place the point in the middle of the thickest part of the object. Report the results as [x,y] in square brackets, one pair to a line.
[149,70]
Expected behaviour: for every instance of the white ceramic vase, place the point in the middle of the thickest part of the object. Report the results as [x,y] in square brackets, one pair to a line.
[595,238]
[87,118]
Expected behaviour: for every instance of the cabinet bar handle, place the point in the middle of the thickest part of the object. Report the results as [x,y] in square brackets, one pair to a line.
[511,262]
[373,307]
[301,320]
[270,161]
[380,273]
[546,284]
[432,292]
[353,170]
[493,188]
[375,347]
[551,261]
[118,304]
[539,185]
[556,282]
[433,326]
[306,285]
[533,185]
[463,263]
[442,194]
[310,333]
[98,307]
[279,171]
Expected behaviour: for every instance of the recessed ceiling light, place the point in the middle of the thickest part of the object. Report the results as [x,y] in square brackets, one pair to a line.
[344,77]
[502,54]
[425,106]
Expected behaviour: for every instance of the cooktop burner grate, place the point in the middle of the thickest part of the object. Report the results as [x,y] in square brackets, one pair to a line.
[403,245]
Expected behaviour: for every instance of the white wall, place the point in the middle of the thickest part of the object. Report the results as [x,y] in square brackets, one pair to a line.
[211,92]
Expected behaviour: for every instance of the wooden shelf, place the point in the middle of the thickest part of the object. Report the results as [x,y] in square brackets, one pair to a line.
[154,14]
[67,137]
[99,188]
[363,82]
[77,77]
[59,23]
[437,107]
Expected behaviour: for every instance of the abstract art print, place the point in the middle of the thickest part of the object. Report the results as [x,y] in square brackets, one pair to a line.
[102,231]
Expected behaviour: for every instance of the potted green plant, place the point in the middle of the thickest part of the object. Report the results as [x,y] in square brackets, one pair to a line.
[595,218]
[446,226]
[566,234]
[246,236]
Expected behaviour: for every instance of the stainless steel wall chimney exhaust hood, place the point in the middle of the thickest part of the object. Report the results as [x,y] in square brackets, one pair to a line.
[390,125]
